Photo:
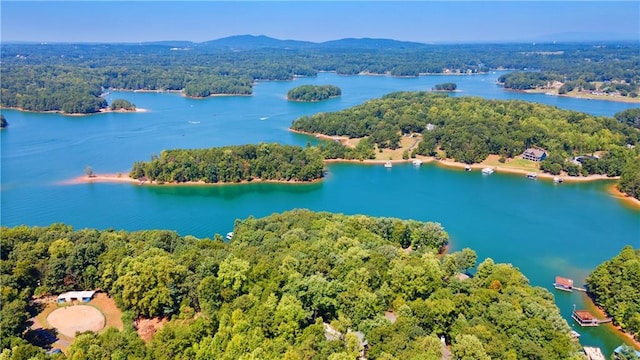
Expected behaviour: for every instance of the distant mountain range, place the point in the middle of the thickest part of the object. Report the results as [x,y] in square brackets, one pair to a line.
[246,42]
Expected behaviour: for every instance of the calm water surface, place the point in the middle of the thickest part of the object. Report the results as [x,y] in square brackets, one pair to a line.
[543,229]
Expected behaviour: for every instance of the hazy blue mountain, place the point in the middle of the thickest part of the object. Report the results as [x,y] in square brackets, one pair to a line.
[245,42]
[256,42]
[369,43]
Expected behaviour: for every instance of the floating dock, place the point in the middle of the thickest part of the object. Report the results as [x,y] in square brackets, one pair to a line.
[585,318]
[594,353]
[566,284]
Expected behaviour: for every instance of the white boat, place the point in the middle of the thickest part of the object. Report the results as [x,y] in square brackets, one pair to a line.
[487,171]
[388,164]
[230,235]
[532,176]
[557,180]
[417,162]
[467,168]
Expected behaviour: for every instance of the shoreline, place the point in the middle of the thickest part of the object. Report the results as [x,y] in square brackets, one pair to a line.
[516,171]
[344,140]
[600,313]
[126,179]
[101,111]
[620,99]
[623,197]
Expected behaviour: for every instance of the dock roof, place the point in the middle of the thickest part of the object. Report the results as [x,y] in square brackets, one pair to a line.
[564,281]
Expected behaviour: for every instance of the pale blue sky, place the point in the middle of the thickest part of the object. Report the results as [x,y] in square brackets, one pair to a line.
[422,21]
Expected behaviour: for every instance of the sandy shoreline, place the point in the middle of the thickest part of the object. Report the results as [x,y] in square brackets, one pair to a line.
[601,314]
[101,111]
[550,92]
[625,198]
[122,178]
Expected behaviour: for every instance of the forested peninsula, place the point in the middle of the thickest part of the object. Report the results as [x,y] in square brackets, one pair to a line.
[71,77]
[469,129]
[615,287]
[232,164]
[296,285]
[312,93]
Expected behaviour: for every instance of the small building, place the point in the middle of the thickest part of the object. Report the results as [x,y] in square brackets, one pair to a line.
[70,296]
[623,352]
[534,154]
[563,284]
[584,318]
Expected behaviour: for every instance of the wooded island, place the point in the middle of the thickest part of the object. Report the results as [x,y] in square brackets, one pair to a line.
[232,164]
[313,93]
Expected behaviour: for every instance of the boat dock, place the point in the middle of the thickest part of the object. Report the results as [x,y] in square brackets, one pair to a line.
[594,353]
[585,318]
[566,284]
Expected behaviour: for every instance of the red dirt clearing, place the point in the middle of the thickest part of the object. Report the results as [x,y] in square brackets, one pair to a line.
[77,318]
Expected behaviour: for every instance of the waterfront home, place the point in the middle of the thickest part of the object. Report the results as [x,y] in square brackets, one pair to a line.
[563,284]
[534,154]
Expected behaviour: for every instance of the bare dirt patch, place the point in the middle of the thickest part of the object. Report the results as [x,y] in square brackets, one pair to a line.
[78,318]
[148,327]
[109,309]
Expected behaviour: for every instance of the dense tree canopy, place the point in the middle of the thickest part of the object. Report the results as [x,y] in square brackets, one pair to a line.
[468,129]
[70,77]
[267,293]
[233,164]
[122,104]
[630,117]
[449,86]
[309,93]
[615,286]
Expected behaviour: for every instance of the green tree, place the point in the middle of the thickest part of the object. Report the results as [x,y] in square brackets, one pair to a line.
[148,284]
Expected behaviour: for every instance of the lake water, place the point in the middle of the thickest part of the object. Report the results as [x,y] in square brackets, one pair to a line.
[541,228]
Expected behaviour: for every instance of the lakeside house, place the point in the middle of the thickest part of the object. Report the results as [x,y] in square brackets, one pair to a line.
[70,296]
[563,284]
[623,352]
[534,154]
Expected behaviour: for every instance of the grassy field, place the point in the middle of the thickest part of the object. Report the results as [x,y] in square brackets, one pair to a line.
[515,163]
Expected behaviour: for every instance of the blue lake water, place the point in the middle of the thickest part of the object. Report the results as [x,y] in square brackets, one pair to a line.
[542,228]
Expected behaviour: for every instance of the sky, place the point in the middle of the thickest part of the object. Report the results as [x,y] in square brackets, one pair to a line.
[420,21]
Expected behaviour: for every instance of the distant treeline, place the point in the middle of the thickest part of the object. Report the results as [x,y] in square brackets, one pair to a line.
[468,129]
[231,164]
[267,293]
[309,93]
[70,77]
[615,286]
